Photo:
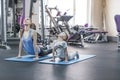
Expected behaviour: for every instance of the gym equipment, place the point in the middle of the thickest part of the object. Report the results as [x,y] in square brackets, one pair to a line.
[94,36]
[42,23]
[117,21]
[76,36]
[28,58]
[65,19]
[23,14]
[65,27]
[58,30]
[17,28]
[14,21]
[81,58]
[31,7]
[3,22]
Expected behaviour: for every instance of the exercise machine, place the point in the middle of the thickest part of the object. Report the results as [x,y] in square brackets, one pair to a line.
[94,35]
[65,27]
[117,21]
[3,22]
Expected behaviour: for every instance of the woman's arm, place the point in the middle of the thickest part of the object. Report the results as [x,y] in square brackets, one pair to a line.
[20,43]
[34,35]
[20,48]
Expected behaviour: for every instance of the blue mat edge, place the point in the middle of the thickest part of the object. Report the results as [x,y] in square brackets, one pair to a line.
[61,63]
[20,60]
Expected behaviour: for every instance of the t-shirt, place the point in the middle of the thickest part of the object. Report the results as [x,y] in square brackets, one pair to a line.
[59,47]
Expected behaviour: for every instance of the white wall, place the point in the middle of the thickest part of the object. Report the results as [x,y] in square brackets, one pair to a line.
[75,8]
[105,21]
[97,14]
[112,8]
[35,16]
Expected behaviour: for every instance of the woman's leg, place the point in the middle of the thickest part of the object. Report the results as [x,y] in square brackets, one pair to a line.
[44,51]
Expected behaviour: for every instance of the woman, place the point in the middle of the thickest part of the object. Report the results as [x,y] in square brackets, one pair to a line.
[28,41]
[60,48]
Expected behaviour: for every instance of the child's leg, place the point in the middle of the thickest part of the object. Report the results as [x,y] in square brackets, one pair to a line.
[73,55]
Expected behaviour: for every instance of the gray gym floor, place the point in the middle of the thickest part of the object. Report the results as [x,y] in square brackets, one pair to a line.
[105,66]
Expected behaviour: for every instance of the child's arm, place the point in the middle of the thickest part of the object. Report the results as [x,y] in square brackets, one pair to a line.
[35,44]
[53,52]
[66,56]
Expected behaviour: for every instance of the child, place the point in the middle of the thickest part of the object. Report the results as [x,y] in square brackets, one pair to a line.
[60,48]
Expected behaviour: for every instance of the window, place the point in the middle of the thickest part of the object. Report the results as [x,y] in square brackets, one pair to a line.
[76,8]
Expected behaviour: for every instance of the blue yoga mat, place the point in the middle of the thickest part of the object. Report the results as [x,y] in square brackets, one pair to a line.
[81,58]
[27,58]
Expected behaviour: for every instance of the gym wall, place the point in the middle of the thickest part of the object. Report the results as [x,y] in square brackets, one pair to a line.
[112,8]
[102,15]
[97,14]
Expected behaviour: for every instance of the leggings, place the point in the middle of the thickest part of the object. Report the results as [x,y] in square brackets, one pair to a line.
[45,51]
[71,56]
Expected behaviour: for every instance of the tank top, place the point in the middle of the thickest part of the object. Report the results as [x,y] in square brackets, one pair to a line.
[27,44]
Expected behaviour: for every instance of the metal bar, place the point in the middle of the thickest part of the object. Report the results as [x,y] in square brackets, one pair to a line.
[42,21]
[53,20]
[23,14]
[31,7]
[4,24]
[74,11]
[5,21]
[14,22]
[1,16]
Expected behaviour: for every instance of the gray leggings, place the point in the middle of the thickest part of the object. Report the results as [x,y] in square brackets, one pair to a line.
[71,56]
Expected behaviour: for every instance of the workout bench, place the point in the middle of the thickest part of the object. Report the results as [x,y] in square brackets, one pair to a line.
[96,36]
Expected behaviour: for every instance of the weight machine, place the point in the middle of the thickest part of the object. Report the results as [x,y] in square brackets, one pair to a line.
[74,38]
[94,35]
[3,22]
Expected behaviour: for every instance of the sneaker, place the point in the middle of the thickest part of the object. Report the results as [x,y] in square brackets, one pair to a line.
[77,56]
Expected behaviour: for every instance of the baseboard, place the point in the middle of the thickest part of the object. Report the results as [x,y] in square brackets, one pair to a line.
[111,38]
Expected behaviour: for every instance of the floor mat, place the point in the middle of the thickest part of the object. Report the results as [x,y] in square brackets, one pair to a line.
[28,58]
[81,58]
